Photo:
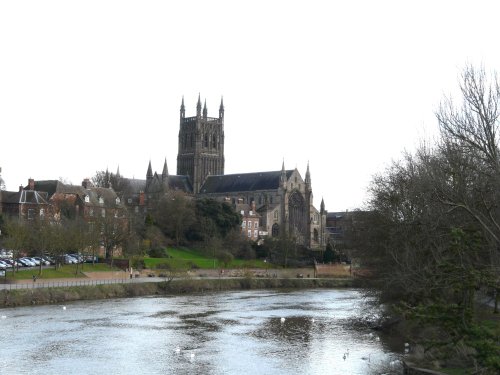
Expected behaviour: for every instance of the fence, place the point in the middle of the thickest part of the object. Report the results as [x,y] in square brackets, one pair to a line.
[69,283]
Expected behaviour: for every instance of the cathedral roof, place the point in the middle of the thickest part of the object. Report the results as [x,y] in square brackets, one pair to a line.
[243,182]
[180,183]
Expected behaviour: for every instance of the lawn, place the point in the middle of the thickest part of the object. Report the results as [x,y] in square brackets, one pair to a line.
[188,258]
[66,271]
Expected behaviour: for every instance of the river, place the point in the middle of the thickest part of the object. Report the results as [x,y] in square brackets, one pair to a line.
[243,332]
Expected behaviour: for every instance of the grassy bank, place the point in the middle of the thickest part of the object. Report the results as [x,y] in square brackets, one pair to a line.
[43,296]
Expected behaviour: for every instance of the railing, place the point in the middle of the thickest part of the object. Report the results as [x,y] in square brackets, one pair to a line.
[69,283]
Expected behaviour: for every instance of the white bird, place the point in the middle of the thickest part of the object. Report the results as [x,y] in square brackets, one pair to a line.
[312,320]
[282,320]
[4,317]
[64,307]
[192,356]
[177,350]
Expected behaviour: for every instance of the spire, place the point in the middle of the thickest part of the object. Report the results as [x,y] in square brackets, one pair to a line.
[198,106]
[118,171]
[322,206]
[183,109]
[205,109]
[149,174]
[308,175]
[107,179]
[221,108]
[164,174]
[283,174]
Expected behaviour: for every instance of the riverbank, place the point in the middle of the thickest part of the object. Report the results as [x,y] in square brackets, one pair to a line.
[58,295]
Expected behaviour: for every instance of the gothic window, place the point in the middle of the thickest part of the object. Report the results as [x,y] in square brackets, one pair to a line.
[275,230]
[316,235]
[297,214]
[206,141]
[275,215]
[214,141]
[192,141]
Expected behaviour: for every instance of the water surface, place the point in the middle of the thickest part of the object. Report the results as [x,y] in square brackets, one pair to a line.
[243,332]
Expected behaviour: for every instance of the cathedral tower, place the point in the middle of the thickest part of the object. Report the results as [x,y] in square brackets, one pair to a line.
[201,145]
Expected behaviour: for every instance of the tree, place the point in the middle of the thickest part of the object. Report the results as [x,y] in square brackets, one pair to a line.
[174,214]
[221,216]
[329,255]
[112,234]
[432,230]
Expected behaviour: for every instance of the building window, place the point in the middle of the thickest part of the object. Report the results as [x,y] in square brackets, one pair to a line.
[256,224]
[87,199]
[275,215]
[117,200]
[31,214]
[129,201]
[249,233]
[101,200]
[256,233]
[103,212]
[244,224]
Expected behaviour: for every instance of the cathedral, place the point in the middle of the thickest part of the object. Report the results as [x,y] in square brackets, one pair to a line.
[281,199]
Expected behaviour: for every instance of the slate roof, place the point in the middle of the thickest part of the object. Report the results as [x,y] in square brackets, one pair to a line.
[230,183]
[24,197]
[180,183]
[52,187]
[131,186]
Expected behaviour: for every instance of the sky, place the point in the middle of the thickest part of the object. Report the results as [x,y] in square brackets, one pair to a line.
[345,86]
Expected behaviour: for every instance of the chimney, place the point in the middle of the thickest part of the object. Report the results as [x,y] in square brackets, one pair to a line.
[31,184]
[253,206]
[21,188]
[86,183]
[141,198]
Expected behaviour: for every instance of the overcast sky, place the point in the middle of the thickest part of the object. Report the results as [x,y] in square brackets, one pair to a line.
[343,85]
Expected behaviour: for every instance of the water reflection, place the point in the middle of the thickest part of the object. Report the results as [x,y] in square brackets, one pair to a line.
[226,333]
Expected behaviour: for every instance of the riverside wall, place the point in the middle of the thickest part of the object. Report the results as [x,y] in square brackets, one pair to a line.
[58,295]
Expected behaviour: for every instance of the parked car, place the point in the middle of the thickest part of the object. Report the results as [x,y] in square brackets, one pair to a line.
[27,262]
[49,259]
[78,257]
[68,259]
[34,260]
[42,261]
